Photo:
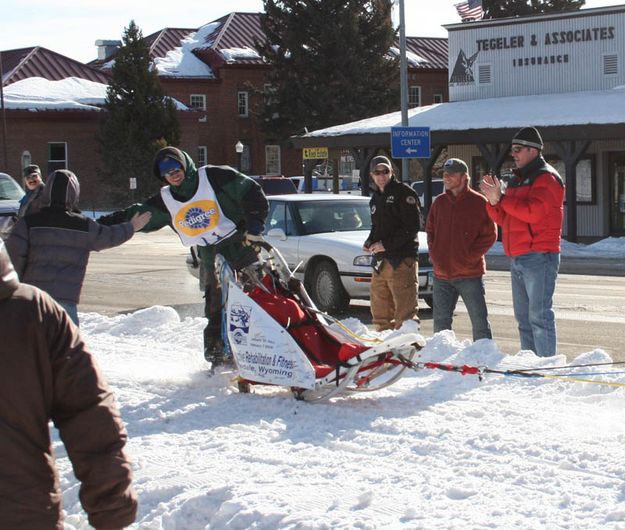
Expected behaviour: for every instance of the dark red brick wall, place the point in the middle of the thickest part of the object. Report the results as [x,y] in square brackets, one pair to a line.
[32,131]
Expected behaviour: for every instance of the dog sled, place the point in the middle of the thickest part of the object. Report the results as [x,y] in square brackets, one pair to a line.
[277,336]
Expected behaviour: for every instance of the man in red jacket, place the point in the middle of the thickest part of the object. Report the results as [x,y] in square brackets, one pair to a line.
[530,214]
[459,233]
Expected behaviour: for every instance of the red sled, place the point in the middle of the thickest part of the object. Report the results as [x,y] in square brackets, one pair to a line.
[277,336]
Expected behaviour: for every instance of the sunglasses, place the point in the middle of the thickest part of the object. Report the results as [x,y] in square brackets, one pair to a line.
[517,149]
[381,171]
[172,172]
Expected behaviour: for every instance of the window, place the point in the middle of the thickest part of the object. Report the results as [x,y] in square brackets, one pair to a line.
[246,159]
[610,64]
[27,159]
[584,181]
[414,96]
[202,155]
[269,92]
[243,103]
[57,156]
[484,74]
[198,101]
[272,160]
[437,98]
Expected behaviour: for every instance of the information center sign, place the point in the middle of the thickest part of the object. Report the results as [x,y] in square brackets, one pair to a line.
[410,142]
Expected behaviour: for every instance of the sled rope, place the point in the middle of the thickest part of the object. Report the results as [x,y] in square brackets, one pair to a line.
[466,369]
[347,330]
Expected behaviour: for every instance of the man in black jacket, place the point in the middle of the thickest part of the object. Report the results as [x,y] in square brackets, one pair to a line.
[393,241]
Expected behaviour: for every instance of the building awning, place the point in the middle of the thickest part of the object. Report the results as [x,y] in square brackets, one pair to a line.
[589,115]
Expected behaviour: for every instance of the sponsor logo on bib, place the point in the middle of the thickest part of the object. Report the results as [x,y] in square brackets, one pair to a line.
[198,217]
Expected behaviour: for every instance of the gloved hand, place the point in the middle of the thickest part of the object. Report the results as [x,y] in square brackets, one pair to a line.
[253,240]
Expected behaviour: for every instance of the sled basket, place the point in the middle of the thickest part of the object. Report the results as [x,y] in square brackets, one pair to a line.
[278,337]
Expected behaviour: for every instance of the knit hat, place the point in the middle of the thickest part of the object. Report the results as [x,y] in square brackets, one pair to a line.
[377,160]
[175,154]
[529,137]
[455,165]
[32,168]
[167,165]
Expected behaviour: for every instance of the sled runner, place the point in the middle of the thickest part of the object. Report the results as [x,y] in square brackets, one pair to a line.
[277,336]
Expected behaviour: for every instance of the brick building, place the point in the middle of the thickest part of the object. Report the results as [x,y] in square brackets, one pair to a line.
[214,70]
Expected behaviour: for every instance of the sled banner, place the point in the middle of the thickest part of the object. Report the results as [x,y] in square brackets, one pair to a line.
[264,351]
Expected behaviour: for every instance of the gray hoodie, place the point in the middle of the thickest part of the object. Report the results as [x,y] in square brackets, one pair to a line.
[50,248]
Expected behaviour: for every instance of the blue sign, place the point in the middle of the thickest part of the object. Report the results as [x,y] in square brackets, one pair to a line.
[410,142]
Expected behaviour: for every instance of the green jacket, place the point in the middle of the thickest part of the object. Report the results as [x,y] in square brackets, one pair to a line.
[240,198]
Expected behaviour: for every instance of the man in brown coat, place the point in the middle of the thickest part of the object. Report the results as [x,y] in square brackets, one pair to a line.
[47,373]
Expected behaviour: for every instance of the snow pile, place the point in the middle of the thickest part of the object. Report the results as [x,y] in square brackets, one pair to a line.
[236,54]
[37,93]
[610,247]
[181,62]
[412,58]
[435,450]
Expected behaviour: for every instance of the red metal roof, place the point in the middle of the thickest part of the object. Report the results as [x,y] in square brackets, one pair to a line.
[243,30]
[433,49]
[166,40]
[238,30]
[41,62]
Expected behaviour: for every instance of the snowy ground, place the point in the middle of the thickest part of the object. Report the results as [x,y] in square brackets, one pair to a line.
[436,450]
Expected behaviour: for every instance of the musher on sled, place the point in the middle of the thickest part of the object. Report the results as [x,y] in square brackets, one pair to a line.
[215,208]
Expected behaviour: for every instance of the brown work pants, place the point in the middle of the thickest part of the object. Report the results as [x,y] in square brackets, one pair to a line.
[394,294]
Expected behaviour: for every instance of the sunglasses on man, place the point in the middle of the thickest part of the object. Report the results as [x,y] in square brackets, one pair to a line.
[381,171]
[517,149]
[172,172]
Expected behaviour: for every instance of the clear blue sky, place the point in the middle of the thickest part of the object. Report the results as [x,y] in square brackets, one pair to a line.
[71,27]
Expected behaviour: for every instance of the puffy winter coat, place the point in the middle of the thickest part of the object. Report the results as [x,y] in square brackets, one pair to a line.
[47,373]
[531,210]
[50,248]
[459,233]
[395,221]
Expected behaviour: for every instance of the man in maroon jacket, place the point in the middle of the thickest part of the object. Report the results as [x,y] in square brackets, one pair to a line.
[47,373]
[459,233]
[530,213]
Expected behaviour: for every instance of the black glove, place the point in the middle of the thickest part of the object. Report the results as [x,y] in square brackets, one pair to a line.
[253,240]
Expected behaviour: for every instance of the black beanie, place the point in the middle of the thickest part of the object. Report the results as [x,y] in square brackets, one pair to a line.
[529,137]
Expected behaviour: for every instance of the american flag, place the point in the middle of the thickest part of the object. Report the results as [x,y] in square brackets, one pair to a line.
[470,10]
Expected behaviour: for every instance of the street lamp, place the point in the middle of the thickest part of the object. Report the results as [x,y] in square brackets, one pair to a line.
[239,149]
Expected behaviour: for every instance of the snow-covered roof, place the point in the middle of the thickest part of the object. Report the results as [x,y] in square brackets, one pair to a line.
[411,58]
[72,93]
[181,62]
[574,108]
[234,54]
[37,93]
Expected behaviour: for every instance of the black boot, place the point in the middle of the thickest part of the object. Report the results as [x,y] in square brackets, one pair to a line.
[214,350]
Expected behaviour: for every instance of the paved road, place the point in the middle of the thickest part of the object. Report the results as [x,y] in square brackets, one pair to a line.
[149,270]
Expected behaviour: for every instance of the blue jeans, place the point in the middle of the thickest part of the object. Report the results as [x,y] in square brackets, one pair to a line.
[71,310]
[534,278]
[445,297]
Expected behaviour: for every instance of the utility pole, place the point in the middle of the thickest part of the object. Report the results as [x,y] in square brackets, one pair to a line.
[403,81]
